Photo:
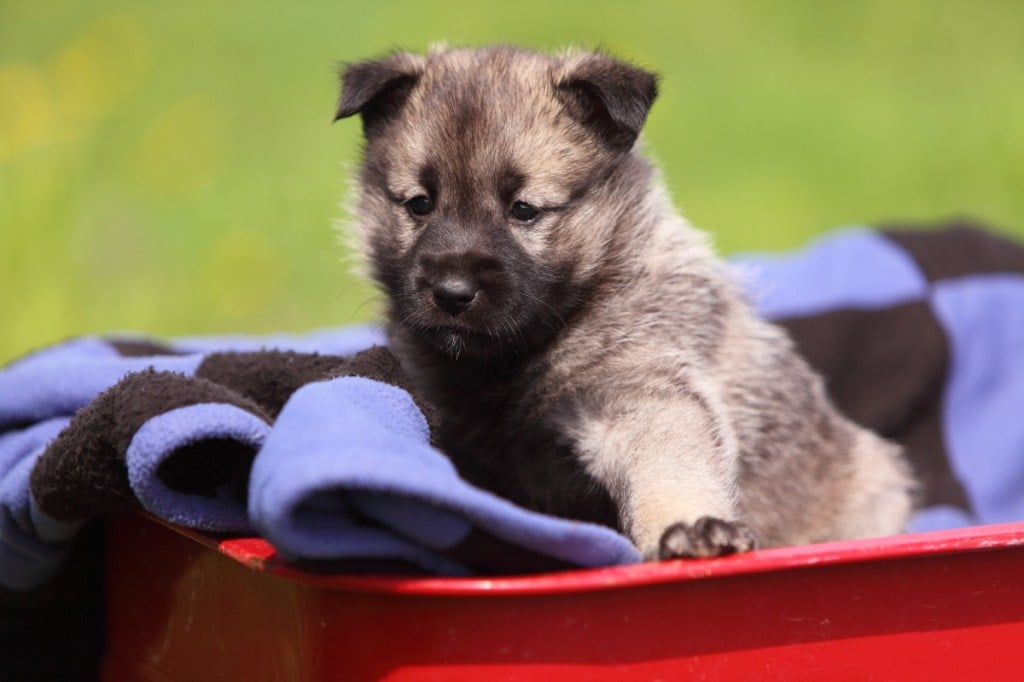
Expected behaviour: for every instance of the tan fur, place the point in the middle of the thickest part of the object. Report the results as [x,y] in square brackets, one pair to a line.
[653,382]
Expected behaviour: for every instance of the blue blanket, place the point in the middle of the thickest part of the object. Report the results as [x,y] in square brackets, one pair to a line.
[325,456]
[317,444]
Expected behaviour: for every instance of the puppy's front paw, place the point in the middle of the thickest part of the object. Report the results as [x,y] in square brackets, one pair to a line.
[708,537]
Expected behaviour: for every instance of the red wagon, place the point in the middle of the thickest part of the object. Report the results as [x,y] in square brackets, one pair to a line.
[943,605]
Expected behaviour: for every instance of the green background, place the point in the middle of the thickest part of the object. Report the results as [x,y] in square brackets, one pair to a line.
[170,168]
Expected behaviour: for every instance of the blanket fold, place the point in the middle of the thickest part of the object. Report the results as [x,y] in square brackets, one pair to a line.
[348,466]
[126,433]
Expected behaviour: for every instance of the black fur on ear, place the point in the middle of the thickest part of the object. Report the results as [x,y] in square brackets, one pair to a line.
[609,96]
[376,89]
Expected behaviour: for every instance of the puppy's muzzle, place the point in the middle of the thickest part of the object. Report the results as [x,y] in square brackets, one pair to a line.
[455,293]
[456,281]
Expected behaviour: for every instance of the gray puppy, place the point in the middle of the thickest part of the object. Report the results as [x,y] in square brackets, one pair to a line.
[588,354]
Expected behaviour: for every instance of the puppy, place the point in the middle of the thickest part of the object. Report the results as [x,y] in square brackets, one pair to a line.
[587,353]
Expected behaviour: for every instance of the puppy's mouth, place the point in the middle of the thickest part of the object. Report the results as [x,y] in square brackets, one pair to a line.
[473,321]
[460,341]
[477,332]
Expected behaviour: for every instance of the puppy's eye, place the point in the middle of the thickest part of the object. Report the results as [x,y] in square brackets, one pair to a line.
[524,212]
[420,206]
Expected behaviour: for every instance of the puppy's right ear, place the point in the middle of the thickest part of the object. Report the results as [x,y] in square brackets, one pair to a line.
[376,89]
[609,96]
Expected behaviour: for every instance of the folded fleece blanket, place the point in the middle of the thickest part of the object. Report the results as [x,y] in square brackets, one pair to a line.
[318,444]
[327,456]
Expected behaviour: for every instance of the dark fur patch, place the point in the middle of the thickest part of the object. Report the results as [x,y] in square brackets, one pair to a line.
[493,431]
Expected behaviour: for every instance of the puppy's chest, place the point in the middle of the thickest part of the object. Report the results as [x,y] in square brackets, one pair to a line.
[502,440]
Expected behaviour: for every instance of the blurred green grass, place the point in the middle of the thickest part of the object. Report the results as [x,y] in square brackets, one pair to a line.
[170,167]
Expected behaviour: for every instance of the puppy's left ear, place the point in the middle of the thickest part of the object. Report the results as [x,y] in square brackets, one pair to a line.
[609,96]
[376,89]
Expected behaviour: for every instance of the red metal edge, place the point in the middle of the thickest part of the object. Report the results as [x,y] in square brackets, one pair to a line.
[258,554]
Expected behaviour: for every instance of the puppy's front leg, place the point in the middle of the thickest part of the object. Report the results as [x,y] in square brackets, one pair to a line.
[671,466]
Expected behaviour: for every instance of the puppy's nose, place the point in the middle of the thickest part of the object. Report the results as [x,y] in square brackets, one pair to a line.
[454,294]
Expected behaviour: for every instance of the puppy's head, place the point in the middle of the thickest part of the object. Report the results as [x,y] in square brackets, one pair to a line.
[488,198]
